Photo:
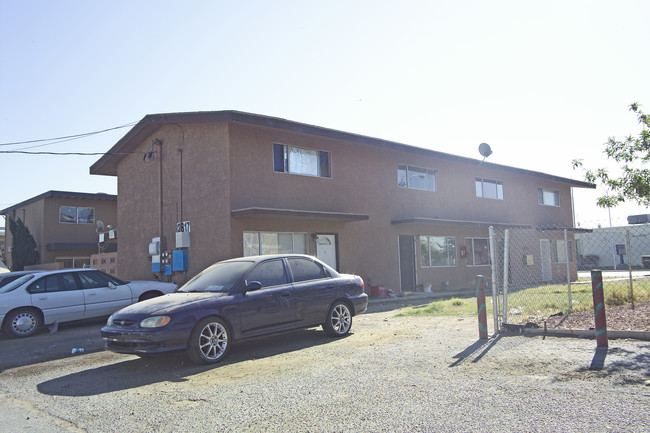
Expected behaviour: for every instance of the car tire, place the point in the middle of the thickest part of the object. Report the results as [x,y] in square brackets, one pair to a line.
[210,341]
[21,323]
[339,320]
[149,295]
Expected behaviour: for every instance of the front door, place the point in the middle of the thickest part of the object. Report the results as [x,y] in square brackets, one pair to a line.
[326,249]
[407,263]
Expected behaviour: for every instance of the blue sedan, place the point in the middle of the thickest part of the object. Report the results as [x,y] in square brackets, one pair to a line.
[238,299]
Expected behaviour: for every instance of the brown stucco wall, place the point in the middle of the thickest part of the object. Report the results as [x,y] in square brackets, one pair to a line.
[212,168]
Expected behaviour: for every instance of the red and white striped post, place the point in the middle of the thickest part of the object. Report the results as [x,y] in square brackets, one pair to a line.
[599,308]
[480,304]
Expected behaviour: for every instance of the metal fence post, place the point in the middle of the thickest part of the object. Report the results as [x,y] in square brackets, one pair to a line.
[493,267]
[629,266]
[568,268]
[480,305]
[599,308]
[506,255]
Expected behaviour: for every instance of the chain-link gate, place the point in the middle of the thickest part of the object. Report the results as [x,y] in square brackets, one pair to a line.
[544,272]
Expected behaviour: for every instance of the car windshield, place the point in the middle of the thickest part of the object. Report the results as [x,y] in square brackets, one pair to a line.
[220,277]
[16,283]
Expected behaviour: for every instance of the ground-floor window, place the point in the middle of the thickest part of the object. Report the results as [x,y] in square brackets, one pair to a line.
[437,251]
[478,251]
[560,250]
[73,262]
[256,243]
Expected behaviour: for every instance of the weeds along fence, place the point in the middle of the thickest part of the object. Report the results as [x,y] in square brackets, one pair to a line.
[545,272]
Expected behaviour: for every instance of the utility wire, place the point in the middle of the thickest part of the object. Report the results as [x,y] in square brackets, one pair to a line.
[73,153]
[68,137]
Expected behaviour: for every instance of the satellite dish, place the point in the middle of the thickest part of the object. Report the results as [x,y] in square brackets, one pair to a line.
[100,226]
[485,150]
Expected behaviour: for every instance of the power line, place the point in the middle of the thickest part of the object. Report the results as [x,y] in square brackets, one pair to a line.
[73,153]
[67,137]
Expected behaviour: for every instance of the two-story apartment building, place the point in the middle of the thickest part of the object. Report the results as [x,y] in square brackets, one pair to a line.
[63,225]
[398,215]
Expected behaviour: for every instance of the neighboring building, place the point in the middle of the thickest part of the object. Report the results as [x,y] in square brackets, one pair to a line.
[613,247]
[400,216]
[64,225]
[2,243]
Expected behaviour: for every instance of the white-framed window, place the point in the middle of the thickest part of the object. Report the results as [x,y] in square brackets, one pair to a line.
[548,197]
[478,251]
[76,215]
[559,251]
[412,177]
[487,188]
[299,160]
[73,262]
[256,243]
[437,251]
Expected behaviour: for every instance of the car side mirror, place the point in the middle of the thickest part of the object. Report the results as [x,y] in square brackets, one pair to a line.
[111,285]
[252,286]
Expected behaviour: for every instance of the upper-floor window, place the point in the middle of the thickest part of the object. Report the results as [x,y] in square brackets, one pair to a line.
[437,251]
[548,197]
[487,188]
[298,160]
[76,215]
[409,176]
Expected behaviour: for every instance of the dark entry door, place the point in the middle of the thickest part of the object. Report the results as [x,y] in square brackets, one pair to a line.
[407,263]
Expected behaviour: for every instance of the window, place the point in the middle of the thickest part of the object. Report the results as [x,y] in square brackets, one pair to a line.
[270,273]
[73,262]
[298,160]
[559,251]
[548,197]
[256,243]
[416,178]
[437,251]
[304,270]
[76,215]
[478,251]
[487,188]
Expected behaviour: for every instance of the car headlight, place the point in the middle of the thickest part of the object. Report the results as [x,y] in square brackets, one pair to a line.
[109,322]
[155,322]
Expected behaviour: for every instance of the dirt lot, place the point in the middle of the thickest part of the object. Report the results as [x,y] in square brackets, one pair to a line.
[393,374]
[620,318]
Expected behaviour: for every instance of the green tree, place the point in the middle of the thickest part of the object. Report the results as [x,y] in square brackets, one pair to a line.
[632,153]
[23,246]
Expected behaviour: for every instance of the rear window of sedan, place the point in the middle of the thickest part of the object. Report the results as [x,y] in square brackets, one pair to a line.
[16,283]
[304,270]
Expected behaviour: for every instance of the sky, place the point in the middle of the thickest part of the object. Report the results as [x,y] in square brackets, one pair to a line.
[542,83]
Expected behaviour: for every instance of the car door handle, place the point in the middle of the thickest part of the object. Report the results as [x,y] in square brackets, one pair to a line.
[286,295]
[43,298]
[92,294]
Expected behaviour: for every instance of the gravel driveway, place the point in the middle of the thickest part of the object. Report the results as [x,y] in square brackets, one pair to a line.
[393,374]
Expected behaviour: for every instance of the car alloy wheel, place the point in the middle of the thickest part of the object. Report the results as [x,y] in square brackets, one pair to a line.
[210,341]
[339,320]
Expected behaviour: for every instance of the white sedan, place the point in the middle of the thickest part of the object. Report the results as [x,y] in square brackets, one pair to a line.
[66,295]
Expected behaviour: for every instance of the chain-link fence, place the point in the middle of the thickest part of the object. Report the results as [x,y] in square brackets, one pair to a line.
[542,275]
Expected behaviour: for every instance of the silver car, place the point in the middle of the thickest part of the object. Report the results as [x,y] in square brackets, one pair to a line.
[44,298]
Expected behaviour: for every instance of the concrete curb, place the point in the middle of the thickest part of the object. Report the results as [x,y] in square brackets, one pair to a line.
[588,333]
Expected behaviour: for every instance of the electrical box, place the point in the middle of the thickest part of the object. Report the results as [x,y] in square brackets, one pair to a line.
[154,247]
[168,270]
[179,260]
[182,239]
[155,263]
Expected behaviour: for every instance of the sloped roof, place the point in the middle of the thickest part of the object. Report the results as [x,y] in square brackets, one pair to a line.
[62,194]
[107,164]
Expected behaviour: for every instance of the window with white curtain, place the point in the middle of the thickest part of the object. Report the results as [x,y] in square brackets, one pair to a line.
[256,243]
[299,160]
